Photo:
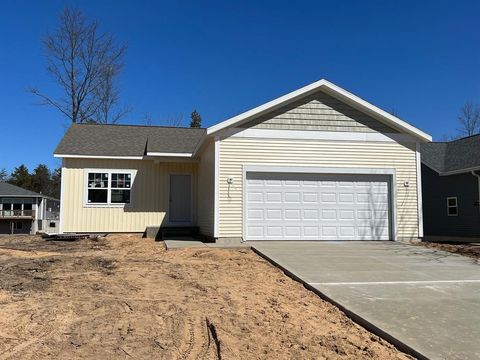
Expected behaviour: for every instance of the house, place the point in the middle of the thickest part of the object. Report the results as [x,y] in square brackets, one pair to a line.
[316,164]
[451,192]
[26,212]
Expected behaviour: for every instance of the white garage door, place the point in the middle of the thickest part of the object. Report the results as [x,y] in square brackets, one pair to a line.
[284,206]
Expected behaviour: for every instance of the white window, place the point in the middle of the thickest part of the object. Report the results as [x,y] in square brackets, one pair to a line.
[452,206]
[108,187]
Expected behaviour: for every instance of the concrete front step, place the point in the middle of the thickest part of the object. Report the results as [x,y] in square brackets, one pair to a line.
[160,232]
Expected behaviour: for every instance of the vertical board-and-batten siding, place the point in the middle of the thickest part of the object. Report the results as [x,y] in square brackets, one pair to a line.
[150,196]
[319,112]
[206,189]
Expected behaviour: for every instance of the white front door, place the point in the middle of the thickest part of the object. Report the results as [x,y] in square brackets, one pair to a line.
[284,206]
[180,199]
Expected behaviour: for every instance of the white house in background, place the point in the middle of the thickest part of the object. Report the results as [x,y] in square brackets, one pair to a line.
[26,212]
[318,163]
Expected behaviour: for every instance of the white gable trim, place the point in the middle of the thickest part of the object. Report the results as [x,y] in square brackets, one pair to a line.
[330,89]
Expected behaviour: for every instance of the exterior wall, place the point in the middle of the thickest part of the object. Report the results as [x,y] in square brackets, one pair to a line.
[436,189]
[320,112]
[235,152]
[206,190]
[150,196]
[6,226]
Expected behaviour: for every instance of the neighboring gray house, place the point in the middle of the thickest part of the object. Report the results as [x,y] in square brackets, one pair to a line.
[26,212]
[451,188]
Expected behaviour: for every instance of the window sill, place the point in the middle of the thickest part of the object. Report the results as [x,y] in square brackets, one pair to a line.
[107,206]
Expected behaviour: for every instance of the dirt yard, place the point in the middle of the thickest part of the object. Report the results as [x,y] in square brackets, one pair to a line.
[126,297]
[470,250]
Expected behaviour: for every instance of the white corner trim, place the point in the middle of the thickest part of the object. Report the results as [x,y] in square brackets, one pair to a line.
[332,90]
[323,135]
[418,160]
[169,154]
[62,198]
[97,157]
[216,201]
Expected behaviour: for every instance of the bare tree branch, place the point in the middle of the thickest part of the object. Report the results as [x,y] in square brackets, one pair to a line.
[84,63]
[469,119]
[174,120]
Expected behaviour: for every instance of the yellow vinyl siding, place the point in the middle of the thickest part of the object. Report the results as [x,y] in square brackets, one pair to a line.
[150,196]
[319,112]
[237,152]
[206,188]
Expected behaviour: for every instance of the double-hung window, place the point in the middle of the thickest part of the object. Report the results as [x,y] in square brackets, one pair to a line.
[452,206]
[108,187]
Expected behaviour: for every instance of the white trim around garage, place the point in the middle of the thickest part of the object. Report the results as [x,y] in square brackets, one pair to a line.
[333,90]
[323,170]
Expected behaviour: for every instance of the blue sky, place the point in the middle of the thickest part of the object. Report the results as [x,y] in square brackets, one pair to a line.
[418,58]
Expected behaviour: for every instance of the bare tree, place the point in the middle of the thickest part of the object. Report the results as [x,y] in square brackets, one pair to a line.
[175,120]
[85,63]
[469,119]
[147,120]
[108,97]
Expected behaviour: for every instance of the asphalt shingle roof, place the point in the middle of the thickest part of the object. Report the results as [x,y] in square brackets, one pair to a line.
[127,140]
[7,189]
[457,155]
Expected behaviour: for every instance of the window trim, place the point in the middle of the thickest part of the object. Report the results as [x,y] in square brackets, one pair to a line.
[108,204]
[452,206]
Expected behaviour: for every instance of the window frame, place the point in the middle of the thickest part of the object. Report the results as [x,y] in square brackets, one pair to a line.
[452,206]
[109,188]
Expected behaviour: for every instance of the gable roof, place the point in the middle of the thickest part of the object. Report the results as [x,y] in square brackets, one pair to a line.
[128,141]
[333,90]
[453,157]
[7,189]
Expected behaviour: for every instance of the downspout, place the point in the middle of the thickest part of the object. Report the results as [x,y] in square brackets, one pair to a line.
[478,177]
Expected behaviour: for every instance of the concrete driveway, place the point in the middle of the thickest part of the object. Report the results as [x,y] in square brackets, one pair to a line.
[428,300]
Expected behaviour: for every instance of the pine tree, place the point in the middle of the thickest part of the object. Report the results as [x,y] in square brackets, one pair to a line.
[196,119]
[55,183]
[21,177]
[41,182]
[3,175]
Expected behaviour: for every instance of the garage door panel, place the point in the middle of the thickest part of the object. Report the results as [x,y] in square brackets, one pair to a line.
[292,197]
[310,214]
[316,207]
[274,214]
